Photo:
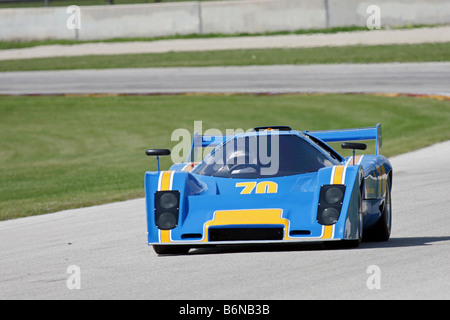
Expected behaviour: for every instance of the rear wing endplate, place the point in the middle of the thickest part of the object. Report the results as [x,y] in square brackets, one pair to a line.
[372,133]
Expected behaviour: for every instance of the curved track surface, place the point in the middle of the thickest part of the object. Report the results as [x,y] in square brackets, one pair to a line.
[411,78]
[108,244]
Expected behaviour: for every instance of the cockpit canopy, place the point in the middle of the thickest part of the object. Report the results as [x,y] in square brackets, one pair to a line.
[264,156]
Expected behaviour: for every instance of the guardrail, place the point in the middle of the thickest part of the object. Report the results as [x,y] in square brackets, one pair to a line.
[227,17]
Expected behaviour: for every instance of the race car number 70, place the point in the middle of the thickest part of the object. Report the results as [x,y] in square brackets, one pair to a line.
[261,187]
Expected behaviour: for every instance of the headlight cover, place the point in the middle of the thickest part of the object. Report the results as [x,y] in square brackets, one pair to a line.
[168,200]
[330,203]
[334,195]
[329,216]
[167,209]
[166,221]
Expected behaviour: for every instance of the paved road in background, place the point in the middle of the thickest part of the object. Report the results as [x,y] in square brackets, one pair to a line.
[416,78]
[108,244]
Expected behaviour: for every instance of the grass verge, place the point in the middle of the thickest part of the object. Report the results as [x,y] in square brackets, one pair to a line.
[351,54]
[67,152]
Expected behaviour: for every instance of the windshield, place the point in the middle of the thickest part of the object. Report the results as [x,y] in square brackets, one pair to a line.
[263,156]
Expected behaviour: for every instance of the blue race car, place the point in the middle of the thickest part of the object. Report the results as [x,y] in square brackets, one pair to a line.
[271,185]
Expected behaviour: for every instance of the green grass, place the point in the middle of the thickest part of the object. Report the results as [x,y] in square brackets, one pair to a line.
[67,152]
[351,54]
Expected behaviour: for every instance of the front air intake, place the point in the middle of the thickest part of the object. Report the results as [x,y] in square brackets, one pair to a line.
[245,234]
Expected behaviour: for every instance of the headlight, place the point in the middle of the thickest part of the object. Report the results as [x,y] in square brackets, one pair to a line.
[167,221]
[168,200]
[167,209]
[330,203]
[334,195]
[329,216]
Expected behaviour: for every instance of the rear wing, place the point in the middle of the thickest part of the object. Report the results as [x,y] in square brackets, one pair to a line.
[372,133]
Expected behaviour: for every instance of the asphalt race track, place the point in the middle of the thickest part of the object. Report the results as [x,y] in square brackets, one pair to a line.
[411,78]
[108,245]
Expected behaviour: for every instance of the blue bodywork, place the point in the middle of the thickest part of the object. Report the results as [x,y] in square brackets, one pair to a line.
[216,209]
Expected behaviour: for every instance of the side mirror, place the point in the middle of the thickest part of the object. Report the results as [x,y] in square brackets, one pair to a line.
[354,146]
[157,153]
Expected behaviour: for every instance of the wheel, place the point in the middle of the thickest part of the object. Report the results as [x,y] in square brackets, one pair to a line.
[381,231]
[171,249]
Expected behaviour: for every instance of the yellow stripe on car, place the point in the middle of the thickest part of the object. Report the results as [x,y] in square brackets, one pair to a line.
[165,184]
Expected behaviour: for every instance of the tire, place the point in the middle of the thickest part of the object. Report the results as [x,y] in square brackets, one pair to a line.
[171,249]
[381,231]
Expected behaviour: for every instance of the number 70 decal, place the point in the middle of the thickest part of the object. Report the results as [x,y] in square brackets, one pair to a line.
[261,187]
